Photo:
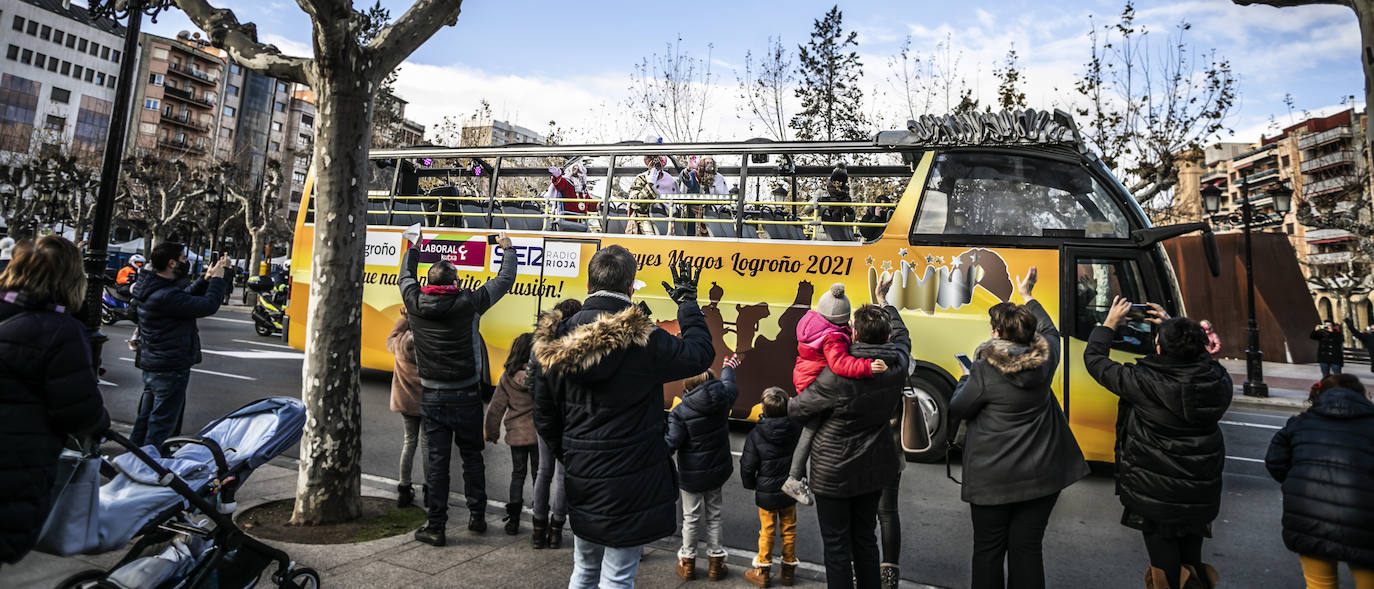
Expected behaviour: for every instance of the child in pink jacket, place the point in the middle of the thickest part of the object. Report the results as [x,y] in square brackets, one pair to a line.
[823,339]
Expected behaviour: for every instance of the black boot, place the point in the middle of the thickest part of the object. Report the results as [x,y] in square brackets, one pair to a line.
[477,522]
[512,519]
[539,538]
[555,533]
[405,496]
[430,535]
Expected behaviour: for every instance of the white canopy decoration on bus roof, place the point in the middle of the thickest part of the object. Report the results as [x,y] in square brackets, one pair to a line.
[1007,127]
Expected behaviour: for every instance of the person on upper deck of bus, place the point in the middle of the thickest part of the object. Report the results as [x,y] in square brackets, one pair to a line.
[1169,448]
[449,354]
[1019,454]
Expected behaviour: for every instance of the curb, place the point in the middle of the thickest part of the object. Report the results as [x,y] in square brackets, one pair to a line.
[1289,404]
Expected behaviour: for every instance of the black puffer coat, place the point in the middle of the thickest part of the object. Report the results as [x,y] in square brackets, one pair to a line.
[47,391]
[1019,446]
[1169,449]
[448,348]
[1325,460]
[699,431]
[766,458]
[1330,345]
[167,333]
[852,453]
[598,402]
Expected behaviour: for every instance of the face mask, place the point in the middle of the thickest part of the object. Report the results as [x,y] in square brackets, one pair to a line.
[182,270]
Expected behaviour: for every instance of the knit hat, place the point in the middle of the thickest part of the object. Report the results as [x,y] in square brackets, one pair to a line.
[840,173]
[833,305]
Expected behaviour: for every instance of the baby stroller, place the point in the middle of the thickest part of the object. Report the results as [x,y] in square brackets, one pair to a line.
[178,501]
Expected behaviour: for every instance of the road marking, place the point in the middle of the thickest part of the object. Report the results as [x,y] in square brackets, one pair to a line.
[253,343]
[256,354]
[101,381]
[1247,424]
[245,321]
[1243,459]
[1283,416]
[210,372]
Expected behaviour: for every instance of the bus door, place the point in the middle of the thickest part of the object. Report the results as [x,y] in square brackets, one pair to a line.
[1091,279]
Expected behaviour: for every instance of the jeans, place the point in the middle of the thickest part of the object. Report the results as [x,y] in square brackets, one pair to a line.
[453,417]
[802,452]
[769,524]
[694,505]
[1169,554]
[523,464]
[890,523]
[1320,573]
[409,442]
[550,478]
[605,567]
[1010,532]
[1329,369]
[159,411]
[851,545]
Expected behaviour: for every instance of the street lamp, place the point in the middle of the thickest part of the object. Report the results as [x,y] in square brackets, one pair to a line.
[1283,202]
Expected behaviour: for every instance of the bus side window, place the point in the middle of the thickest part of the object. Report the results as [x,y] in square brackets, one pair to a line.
[1098,282]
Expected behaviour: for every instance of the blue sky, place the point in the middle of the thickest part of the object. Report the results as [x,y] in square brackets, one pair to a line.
[539,61]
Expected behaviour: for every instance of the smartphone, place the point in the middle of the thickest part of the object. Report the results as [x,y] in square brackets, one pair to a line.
[1139,311]
[963,359]
[491,239]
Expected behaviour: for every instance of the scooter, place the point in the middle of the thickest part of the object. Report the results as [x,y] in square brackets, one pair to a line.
[115,305]
[270,311]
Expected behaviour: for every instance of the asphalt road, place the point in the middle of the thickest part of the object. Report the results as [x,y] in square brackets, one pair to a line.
[1085,546]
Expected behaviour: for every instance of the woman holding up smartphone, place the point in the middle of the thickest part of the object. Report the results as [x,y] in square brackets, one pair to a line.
[1019,453]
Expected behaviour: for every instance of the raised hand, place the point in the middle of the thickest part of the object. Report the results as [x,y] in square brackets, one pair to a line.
[1120,307]
[1024,286]
[684,286]
[884,284]
[1156,314]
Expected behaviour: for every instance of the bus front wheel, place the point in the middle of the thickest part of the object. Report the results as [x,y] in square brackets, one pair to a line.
[925,427]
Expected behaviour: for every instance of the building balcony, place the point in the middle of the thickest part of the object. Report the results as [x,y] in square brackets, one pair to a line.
[184,120]
[1214,176]
[1254,156]
[1328,185]
[1344,156]
[193,74]
[1327,136]
[1328,235]
[1261,178]
[1330,258]
[181,145]
[187,97]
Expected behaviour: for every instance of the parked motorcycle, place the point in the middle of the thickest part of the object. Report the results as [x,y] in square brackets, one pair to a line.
[269,313]
[116,305]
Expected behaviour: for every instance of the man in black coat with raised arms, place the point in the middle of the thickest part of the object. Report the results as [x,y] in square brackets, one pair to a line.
[598,393]
[444,319]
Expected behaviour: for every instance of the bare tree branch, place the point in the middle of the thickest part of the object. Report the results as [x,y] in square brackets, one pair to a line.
[241,41]
[416,26]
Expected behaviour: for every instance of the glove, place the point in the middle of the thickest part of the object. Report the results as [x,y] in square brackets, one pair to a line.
[732,361]
[684,287]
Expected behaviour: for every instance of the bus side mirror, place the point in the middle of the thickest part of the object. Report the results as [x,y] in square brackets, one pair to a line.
[1209,249]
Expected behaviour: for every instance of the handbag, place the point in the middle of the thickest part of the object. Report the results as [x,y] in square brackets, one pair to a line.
[73,521]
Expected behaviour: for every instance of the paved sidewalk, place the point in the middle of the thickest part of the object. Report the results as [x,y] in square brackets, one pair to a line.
[469,561]
[1289,384]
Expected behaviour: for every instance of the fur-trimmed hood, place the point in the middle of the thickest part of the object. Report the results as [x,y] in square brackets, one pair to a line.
[1023,365]
[593,348]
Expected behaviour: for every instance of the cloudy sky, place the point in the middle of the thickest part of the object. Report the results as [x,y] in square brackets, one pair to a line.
[538,61]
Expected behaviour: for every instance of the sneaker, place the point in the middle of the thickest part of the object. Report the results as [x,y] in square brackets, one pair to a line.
[431,536]
[797,489]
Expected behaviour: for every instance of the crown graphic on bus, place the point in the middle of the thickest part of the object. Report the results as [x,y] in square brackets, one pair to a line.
[1008,127]
[941,285]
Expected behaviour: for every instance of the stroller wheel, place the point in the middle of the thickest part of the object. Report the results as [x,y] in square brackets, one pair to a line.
[302,578]
[87,579]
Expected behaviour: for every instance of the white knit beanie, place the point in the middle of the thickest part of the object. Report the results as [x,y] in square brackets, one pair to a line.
[833,305]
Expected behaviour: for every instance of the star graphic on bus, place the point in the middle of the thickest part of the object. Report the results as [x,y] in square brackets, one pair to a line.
[887,264]
[869,260]
[930,259]
[901,253]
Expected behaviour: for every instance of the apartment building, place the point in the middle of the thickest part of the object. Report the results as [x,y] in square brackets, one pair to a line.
[1334,161]
[300,135]
[253,123]
[58,78]
[176,102]
[483,132]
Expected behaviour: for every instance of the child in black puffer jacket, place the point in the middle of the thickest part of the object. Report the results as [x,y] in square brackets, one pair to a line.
[699,433]
[763,467]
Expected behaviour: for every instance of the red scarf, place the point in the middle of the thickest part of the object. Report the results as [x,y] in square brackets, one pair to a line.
[441,290]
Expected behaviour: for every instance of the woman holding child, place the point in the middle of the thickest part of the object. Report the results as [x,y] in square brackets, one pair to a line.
[1019,453]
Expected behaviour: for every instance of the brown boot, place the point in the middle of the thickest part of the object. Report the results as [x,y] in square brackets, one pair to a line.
[1155,579]
[757,576]
[687,568]
[789,574]
[1193,578]
[718,568]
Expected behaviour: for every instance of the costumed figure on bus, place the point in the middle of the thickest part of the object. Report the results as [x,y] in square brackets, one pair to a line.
[646,187]
[836,191]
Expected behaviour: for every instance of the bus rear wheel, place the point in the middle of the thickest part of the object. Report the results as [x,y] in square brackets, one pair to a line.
[926,427]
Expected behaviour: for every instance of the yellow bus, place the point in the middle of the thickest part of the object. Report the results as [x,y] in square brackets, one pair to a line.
[956,208]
